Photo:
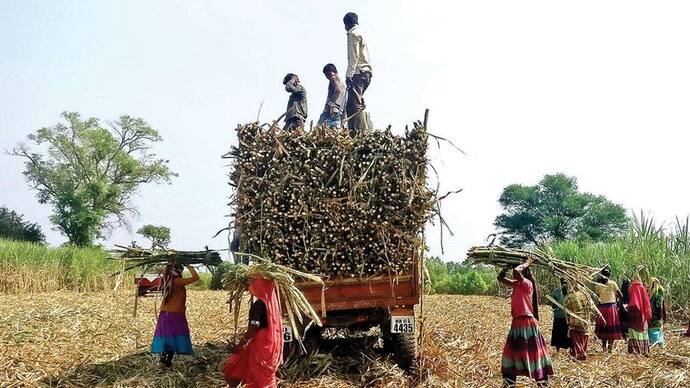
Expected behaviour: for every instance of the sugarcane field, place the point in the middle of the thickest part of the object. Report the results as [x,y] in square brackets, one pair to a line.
[491,194]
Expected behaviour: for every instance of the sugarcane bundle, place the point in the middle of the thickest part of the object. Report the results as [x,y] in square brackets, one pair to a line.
[293,301]
[327,203]
[505,257]
[142,258]
[573,273]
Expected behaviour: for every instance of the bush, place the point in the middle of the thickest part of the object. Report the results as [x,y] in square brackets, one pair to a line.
[204,282]
[459,278]
[218,275]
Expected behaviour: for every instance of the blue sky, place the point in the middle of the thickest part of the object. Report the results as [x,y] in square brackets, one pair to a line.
[596,90]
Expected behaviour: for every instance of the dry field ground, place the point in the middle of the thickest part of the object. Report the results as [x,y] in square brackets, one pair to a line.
[85,340]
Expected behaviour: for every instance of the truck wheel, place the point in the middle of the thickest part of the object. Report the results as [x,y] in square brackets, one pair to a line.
[311,341]
[403,347]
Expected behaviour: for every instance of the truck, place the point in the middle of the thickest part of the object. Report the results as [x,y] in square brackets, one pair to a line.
[351,209]
[358,304]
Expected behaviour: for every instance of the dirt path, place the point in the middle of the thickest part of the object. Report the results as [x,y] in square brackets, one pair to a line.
[70,339]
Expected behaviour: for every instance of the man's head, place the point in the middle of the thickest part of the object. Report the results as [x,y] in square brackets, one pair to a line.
[329,70]
[350,20]
[564,283]
[289,77]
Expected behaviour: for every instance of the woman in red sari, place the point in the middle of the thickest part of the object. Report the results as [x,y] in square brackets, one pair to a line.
[257,357]
[639,313]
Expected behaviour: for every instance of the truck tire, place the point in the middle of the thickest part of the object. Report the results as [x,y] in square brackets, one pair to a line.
[311,342]
[403,347]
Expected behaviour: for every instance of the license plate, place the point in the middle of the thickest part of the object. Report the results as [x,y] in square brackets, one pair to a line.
[287,333]
[402,324]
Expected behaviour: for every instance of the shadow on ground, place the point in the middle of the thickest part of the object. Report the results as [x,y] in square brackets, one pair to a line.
[144,370]
[338,360]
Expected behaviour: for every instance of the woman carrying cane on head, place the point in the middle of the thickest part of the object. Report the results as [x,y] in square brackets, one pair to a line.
[525,352]
[172,330]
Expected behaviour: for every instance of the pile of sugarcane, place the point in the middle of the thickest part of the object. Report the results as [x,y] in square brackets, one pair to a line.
[142,258]
[327,203]
[293,301]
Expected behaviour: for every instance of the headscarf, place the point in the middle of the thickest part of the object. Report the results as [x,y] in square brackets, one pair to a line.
[527,273]
[640,299]
[172,271]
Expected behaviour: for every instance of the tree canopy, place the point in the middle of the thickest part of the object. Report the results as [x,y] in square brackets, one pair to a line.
[158,235]
[89,173]
[13,227]
[555,210]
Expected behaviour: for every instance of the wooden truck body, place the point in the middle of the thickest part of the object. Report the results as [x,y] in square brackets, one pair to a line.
[395,293]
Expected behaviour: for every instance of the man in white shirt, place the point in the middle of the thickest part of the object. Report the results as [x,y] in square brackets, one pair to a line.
[358,75]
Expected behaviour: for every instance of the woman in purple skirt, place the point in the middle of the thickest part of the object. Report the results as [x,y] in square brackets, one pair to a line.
[172,331]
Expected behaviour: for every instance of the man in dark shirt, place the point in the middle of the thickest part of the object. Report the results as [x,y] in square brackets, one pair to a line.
[335,101]
[296,113]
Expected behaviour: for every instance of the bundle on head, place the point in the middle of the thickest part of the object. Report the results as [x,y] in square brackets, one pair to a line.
[294,303]
[141,258]
[326,203]
[572,273]
[505,257]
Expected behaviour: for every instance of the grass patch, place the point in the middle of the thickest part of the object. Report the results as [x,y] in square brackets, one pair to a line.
[31,267]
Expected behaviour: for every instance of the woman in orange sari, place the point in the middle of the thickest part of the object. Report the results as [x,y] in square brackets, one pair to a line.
[256,358]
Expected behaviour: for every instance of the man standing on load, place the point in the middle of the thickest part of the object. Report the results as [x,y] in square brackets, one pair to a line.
[296,113]
[335,101]
[358,75]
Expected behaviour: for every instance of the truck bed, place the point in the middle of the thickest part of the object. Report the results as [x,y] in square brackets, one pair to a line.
[362,293]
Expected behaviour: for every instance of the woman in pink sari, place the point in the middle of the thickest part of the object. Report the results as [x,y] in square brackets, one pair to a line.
[256,358]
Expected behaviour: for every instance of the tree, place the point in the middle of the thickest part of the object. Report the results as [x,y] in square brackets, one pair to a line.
[158,235]
[13,227]
[555,210]
[89,173]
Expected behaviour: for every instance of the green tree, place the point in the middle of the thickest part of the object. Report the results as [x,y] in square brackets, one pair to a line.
[13,227]
[158,235]
[89,173]
[555,210]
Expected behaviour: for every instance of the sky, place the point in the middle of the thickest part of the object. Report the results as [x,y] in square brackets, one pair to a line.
[599,90]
